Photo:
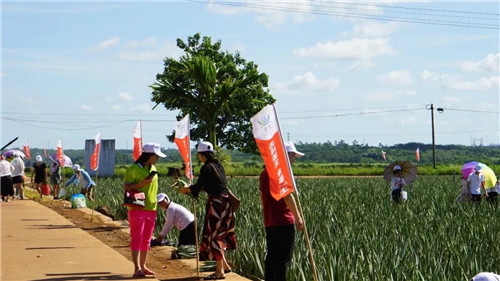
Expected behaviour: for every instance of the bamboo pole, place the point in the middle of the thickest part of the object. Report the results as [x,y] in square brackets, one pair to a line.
[95,193]
[311,257]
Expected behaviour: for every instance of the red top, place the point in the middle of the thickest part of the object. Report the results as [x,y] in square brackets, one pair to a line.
[275,212]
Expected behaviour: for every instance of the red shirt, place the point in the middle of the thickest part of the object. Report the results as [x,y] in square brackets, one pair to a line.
[275,212]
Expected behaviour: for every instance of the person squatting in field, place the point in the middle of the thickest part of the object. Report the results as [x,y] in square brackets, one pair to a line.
[81,177]
[179,216]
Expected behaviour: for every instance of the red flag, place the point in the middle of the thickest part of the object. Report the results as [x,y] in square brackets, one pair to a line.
[384,156]
[137,141]
[45,152]
[182,142]
[60,154]
[26,149]
[94,159]
[267,134]
[417,154]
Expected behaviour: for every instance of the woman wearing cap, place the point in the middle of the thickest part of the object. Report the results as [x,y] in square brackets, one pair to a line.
[218,229]
[6,170]
[81,177]
[55,177]
[139,176]
[18,175]
[39,174]
[397,184]
[475,184]
[179,216]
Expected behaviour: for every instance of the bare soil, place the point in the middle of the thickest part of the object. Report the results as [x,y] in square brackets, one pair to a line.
[117,237]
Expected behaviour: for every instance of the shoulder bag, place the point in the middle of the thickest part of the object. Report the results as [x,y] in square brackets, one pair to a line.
[134,198]
[233,200]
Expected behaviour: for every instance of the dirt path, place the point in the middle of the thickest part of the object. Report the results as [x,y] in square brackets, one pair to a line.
[116,235]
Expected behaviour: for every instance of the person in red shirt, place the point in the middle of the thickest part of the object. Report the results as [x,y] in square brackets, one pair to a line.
[279,220]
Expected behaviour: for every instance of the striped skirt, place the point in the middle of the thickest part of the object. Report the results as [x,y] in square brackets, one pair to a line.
[218,230]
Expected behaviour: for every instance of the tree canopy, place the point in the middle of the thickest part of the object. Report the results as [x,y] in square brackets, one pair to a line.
[221,92]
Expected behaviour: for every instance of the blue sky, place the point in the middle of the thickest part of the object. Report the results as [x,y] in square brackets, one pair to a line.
[73,69]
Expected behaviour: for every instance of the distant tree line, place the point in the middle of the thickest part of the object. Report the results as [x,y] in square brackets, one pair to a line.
[328,152]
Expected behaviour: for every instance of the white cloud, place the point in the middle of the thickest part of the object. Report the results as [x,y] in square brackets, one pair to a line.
[149,50]
[490,63]
[484,83]
[125,97]
[148,42]
[443,79]
[116,107]
[455,83]
[375,29]
[86,107]
[307,83]
[384,96]
[397,77]
[106,44]
[357,48]
[145,107]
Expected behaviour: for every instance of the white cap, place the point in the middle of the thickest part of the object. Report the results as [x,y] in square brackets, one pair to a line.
[153,147]
[162,196]
[290,147]
[486,276]
[205,146]
[397,168]
[38,158]
[478,168]
[76,167]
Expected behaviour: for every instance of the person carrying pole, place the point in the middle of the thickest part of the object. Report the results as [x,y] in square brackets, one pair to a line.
[280,216]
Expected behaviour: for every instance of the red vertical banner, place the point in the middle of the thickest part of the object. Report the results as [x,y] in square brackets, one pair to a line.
[27,149]
[267,134]
[60,153]
[45,152]
[417,154]
[137,141]
[182,141]
[94,159]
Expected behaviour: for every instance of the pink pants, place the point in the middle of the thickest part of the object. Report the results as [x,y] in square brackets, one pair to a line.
[142,225]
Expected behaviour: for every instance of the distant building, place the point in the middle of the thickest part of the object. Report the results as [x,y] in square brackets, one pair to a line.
[106,159]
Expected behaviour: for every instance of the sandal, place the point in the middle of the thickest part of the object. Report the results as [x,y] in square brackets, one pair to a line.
[214,277]
[139,274]
[228,270]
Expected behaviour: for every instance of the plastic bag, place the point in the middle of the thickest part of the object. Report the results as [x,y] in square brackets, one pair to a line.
[78,201]
[62,192]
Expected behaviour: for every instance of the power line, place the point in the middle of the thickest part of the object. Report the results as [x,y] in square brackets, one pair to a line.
[352,15]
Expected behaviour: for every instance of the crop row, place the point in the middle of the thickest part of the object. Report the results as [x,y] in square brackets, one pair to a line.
[356,233]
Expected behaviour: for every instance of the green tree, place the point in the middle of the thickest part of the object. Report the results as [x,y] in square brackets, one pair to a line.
[219,90]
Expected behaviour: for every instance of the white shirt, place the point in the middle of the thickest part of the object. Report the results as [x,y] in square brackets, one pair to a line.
[18,167]
[176,215]
[475,183]
[6,168]
[397,182]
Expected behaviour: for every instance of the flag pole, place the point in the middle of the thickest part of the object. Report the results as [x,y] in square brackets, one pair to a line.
[311,257]
[194,201]
[96,176]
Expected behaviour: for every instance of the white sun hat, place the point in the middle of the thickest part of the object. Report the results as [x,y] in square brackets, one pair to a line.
[290,147]
[162,196]
[153,147]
